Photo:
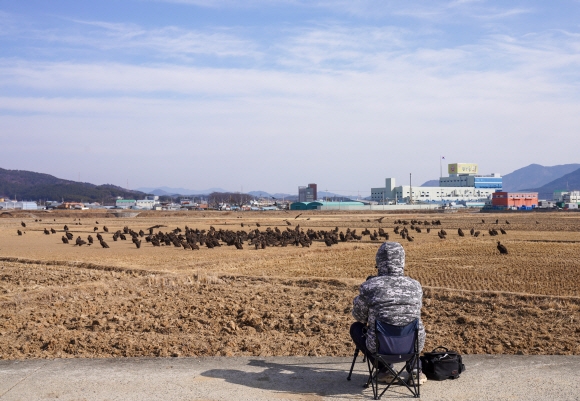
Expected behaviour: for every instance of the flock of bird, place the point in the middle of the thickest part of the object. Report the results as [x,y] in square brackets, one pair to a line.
[192,239]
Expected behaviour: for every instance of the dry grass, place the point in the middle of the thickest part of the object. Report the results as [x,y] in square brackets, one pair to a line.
[64,301]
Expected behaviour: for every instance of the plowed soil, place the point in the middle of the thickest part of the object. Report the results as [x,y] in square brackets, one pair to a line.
[59,300]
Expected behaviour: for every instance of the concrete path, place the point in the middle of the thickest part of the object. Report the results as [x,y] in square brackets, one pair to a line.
[277,378]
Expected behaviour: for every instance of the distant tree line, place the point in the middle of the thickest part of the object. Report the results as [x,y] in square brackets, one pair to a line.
[231,198]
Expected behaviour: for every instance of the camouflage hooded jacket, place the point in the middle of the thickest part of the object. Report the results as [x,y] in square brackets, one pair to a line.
[391,296]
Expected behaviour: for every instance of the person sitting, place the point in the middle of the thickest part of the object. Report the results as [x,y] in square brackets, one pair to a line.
[391,297]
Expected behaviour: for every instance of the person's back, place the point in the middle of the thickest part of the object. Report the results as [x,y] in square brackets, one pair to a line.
[391,296]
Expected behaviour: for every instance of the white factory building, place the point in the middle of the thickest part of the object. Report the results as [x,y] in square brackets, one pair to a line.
[463,184]
[148,203]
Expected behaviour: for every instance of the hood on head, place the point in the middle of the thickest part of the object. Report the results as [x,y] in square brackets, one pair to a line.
[390,259]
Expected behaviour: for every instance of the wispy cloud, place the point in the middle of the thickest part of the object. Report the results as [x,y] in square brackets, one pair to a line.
[171,40]
[441,10]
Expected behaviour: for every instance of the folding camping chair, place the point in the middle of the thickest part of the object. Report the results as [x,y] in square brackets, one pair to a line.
[394,344]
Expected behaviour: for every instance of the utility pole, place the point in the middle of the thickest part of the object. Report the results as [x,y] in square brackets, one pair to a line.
[410,190]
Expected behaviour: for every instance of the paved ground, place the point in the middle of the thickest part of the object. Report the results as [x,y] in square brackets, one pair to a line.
[277,378]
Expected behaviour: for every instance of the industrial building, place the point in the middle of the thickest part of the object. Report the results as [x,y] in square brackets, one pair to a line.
[18,205]
[463,184]
[514,200]
[307,194]
[148,203]
[567,196]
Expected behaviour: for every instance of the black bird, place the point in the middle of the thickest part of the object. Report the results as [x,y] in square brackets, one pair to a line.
[90,239]
[19,232]
[23,224]
[460,232]
[69,235]
[257,224]
[471,231]
[483,221]
[65,227]
[476,234]
[507,222]
[105,229]
[46,232]
[138,244]
[64,240]
[96,229]
[52,230]
[501,248]
[502,230]
[80,242]
[104,244]
[496,221]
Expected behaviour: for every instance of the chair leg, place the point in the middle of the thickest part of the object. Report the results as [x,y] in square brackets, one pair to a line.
[356,351]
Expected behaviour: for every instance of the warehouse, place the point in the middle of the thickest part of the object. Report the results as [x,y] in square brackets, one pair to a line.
[514,200]
[18,205]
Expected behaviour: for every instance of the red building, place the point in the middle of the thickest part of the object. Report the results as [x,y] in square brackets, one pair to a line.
[514,199]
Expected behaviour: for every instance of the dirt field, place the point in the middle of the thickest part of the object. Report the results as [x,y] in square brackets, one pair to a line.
[61,300]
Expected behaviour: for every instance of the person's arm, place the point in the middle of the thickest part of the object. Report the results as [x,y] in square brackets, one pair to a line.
[360,309]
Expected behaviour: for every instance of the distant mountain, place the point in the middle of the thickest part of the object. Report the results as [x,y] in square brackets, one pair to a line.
[535,176]
[431,183]
[570,181]
[161,191]
[28,185]
[277,195]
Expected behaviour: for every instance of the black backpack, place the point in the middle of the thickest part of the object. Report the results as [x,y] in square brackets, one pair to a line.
[442,365]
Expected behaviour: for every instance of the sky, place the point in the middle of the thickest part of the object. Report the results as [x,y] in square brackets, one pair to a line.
[271,95]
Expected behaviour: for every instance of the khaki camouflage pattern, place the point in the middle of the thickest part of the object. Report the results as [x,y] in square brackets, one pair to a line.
[391,296]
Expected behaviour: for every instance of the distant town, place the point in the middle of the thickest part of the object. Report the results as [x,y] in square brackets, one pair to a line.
[464,187]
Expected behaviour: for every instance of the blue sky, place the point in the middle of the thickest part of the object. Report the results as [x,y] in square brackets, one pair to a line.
[270,95]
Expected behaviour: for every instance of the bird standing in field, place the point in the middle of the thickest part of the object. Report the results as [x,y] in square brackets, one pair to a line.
[460,232]
[501,248]
[23,224]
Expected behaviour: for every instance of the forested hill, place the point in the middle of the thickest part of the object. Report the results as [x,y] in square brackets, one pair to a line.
[28,185]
